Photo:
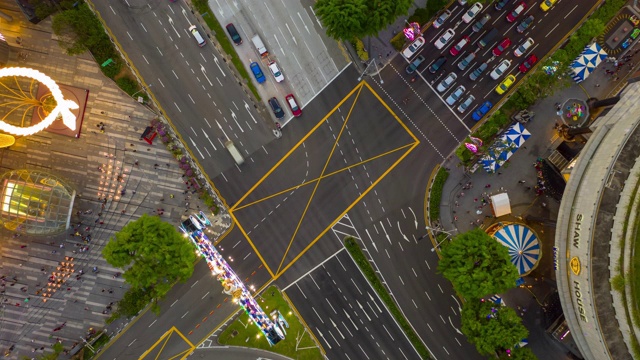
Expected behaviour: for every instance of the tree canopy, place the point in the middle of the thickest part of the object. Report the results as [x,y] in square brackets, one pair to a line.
[348,19]
[477,265]
[491,327]
[154,255]
[523,353]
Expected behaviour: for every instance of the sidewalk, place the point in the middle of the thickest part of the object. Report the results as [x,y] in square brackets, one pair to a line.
[458,207]
[97,165]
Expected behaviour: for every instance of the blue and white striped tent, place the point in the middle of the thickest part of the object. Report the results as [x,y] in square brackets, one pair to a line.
[587,62]
[523,246]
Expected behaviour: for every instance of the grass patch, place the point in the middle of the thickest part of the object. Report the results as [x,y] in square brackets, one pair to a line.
[298,344]
[97,345]
[364,265]
[203,8]
[435,195]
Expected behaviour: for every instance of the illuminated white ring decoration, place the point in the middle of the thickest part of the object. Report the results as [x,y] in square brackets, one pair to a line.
[63,107]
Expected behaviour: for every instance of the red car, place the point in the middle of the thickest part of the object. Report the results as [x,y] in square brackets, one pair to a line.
[293,105]
[501,47]
[455,50]
[527,64]
[517,11]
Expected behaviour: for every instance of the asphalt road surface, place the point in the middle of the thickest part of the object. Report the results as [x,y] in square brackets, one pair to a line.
[346,315]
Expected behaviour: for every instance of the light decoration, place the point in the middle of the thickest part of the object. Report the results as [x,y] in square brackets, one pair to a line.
[62,109]
[194,227]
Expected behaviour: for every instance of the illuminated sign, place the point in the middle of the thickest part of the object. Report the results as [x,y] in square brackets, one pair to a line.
[63,107]
[574,264]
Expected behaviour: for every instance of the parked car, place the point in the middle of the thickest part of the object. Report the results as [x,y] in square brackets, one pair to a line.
[411,68]
[455,95]
[257,72]
[480,23]
[500,69]
[501,4]
[466,61]
[275,70]
[523,47]
[528,64]
[455,50]
[472,12]
[505,84]
[446,83]
[235,36]
[444,39]
[519,9]
[276,108]
[413,48]
[466,103]
[436,65]
[481,110]
[293,105]
[524,24]
[479,70]
[547,4]
[441,19]
[498,50]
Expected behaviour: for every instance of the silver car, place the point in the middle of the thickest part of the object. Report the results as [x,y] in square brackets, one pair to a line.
[455,95]
[465,105]
[446,83]
[466,61]
[441,19]
[478,71]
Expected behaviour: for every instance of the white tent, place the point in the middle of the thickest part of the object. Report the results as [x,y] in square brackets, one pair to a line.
[500,204]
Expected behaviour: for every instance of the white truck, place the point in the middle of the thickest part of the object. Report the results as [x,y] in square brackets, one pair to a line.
[234,152]
[257,42]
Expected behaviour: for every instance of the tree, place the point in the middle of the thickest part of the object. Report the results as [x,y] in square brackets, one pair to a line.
[524,353]
[154,254]
[348,19]
[477,265]
[491,327]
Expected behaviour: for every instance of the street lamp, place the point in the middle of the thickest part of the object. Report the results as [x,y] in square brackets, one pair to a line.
[143,88]
[365,70]
[442,231]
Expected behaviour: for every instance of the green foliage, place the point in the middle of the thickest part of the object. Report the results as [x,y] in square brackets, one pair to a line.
[422,16]
[297,345]
[207,15]
[210,202]
[129,85]
[486,132]
[477,265]
[154,255]
[435,195]
[345,20]
[358,256]
[491,327]
[133,301]
[618,283]
[80,30]
[523,353]
[539,84]
[360,50]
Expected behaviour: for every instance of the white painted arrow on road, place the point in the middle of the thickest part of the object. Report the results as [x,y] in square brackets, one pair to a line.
[338,330]
[246,106]
[233,115]
[415,219]
[371,297]
[403,235]
[220,126]
[210,142]
[451,322]
[385,232]
[322,336]
[349,317]
[215,59]
[196,146]
[204,73]
[362,308]
[174,28]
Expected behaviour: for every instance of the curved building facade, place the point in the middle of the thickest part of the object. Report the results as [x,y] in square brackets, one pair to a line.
[590,233]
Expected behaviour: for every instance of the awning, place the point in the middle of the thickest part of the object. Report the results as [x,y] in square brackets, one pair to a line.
[523,246]
[517,134]
[587,62]
[500,204]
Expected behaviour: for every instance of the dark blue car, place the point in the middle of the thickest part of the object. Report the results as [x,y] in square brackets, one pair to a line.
[257,72]
[482,110]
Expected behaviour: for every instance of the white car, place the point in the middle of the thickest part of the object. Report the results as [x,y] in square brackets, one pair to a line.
[465,105]
[446,83]
[441,19]
[413,48]
[275,70]
[444,39]
[473,11]
[500,69]
[523,47]
[455,95]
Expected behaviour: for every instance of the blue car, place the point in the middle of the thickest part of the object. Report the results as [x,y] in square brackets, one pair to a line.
[482,110]
[257,72]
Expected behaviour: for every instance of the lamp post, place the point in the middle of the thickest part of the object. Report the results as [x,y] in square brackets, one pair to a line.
[365,70]
[143,88]
[442,231]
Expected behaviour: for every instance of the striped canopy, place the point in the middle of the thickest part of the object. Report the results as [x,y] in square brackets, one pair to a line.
[523,246]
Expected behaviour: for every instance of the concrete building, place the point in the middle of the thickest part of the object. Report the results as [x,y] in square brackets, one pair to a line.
[595,234]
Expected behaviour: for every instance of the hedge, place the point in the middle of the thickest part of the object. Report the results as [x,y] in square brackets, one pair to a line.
[435,195]
[486,132]
[358,256]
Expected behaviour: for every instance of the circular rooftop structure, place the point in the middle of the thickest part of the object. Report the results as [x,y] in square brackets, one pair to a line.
[35,202]
[523,246]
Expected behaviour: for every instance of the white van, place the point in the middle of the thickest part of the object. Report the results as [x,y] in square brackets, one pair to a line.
[231,147]
[197,36]
[257,42]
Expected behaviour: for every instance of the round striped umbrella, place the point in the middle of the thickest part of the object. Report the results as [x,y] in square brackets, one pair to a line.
[523,246]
